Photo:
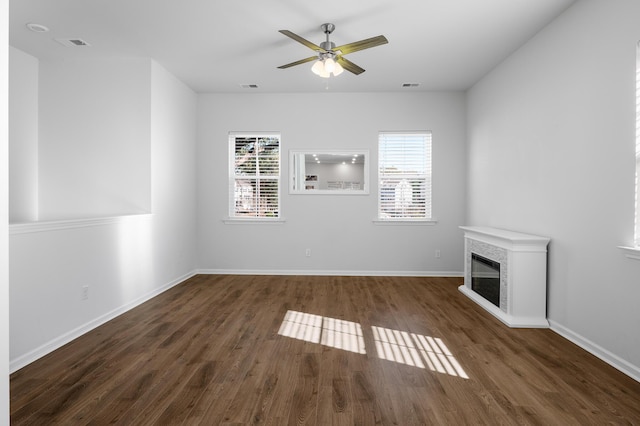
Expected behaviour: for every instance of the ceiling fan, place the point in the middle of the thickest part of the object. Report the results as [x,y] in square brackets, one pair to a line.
[330,58]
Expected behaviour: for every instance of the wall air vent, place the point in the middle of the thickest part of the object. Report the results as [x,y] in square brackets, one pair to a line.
[249,86]
[72,42]
[410,84]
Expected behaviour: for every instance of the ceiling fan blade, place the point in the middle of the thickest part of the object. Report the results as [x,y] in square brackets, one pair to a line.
[362,44]
[349,66]
[301,40]
[301,61]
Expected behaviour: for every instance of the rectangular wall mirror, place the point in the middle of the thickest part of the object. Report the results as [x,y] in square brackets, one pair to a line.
[329,172]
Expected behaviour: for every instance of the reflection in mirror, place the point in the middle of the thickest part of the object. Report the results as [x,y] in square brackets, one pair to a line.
[329,172]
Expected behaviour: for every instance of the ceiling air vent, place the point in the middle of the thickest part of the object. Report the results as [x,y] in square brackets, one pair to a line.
[249,86]
[410,84]
[72,42]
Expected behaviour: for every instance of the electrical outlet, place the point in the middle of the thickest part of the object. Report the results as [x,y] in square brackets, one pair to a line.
[307,252]
[437,254]
[85,292]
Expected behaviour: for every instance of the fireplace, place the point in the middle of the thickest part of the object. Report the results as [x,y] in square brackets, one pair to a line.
[485,278]
[505,273]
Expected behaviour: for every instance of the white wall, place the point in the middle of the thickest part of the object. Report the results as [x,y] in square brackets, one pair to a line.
[338,229]
[125,259]
[173,171]
[551,152]
[94,138]
[23,150]
[50,266]
[4,218]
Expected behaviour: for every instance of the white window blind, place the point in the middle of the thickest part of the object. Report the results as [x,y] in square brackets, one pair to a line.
[254,175]
[404,176]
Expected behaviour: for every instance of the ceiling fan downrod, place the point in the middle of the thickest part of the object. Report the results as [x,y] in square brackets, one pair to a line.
[328,29]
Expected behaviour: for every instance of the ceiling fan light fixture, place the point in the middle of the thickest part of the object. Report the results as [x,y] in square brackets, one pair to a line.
[318,67]
[329,65]
[325,67]
[337,70]
[324,73]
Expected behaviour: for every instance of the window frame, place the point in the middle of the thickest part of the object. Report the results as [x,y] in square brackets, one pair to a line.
[428,218]
[233,216]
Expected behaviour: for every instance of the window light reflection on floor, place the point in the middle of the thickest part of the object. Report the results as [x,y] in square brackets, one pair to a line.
[392,345]
[416,350]
[336,333]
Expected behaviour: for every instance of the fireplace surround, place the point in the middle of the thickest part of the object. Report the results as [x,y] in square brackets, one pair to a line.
[518,294]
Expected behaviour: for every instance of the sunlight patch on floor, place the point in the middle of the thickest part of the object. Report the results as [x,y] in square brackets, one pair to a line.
[416,350]
[333,332]
[392,345]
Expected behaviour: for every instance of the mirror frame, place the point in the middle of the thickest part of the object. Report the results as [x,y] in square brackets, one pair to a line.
[295,154]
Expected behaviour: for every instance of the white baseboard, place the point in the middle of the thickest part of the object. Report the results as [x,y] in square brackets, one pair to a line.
[52,345]
[615,361]
[333,273]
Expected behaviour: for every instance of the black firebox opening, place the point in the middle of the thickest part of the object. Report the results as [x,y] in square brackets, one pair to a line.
[485,278]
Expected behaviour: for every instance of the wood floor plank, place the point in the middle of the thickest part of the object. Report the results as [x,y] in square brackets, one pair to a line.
[387,351]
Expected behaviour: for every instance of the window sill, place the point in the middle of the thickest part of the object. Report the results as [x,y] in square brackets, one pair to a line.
[631,252]
[252,221]
[425,222]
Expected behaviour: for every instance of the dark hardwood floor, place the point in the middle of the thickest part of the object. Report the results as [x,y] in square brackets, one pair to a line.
[278,350]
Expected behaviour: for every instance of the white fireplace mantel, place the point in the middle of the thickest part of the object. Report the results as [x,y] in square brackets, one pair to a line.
[523,274]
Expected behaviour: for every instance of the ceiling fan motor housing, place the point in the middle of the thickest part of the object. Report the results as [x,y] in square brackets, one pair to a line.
[327,45]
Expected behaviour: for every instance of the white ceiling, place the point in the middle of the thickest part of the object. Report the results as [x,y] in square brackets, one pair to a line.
[217,45]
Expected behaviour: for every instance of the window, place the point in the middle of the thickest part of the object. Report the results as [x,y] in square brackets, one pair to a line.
[254,175]
[404,176]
